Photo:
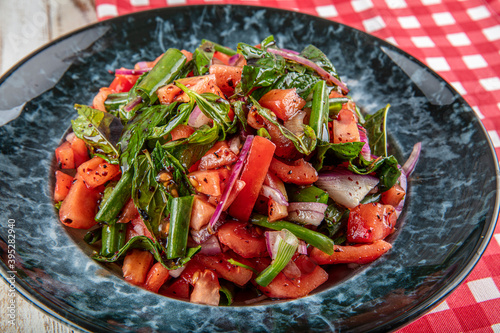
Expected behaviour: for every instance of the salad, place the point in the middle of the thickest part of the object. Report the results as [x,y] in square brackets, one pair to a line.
[220,175]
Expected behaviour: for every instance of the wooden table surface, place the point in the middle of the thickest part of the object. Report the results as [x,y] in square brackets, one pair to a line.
[26,25]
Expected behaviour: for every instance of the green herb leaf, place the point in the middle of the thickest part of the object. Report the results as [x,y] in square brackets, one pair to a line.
[202,58]
[304,143]
[312,53]
[139,129]
[263,69]
[332,153]
[149,196]
[386,169]
[143,242]
[100,130]
[375,126]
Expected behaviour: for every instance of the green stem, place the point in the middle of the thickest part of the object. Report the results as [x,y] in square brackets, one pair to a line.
[114,101]
[221,48]
[113,238]
[311,237]
[319,112]
[117,199]
[335,104]
[286,249]
[180,217]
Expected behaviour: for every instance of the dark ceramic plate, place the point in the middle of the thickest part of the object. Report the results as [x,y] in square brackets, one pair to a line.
[448,220]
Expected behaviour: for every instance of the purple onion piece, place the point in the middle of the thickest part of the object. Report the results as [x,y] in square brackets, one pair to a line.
[313,206]
[175,273]
[291,51]
[235,174]
[308,63]
[346,187]
[131,71]
[197,118]
[133,103]
[275,194]
[291,270]
[363,137]
[271,237]
[404,184]
[302,249]
[409,165]
[143,65]
[211,246]
[233,60]
[308,217]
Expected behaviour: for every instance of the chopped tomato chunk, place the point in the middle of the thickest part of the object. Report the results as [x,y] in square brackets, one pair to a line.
[97,172]
[345,127]
[181,132]
[206,182]
[246,240]
[206,289]
[300,173]
[285,103]
[136,266]
[63,184]
[201,213]
[253,174]
[393,196]
[65,156]
[199,84]
[219,263]
[226,77]
[156,277]
[80,152]
[218,156]
[370,222]
[358,254]
[80,205]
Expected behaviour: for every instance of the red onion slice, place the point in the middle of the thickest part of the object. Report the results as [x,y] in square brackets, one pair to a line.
[404,184]
[409,165]
[271,237]
[307,212]
[302,249]
[142,65]
[272,193]
[175,273]
[345,187]
[296,123]
[235,174]
[211,246]
[363,137]
[197,118]
[306,62]
[124,71]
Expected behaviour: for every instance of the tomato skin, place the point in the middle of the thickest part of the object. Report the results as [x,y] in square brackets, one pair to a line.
[136,227]
[393,196]
[129,212]
[65,156]
[226,270]
[218,156]
[253,174]
[201,213]
[300,173]
[206,182]
[178,289]
[370,222]
[80,152]
[283,287]
[199,84]
[181,132]
[206,289]
[123,83]
[136,266]
[98,102]
[345,127]
[285,103]
[63,185]
[80,205]
[226,77]
[357,254]
[244,239]
[96,172]
[156,277]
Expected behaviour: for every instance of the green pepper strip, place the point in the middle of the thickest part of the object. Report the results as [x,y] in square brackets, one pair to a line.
[117,199]
[220,48]
[113,238]
[180,217]
[311,237]
[319,112]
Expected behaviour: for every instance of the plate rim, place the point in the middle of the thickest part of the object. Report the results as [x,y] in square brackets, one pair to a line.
[402,320]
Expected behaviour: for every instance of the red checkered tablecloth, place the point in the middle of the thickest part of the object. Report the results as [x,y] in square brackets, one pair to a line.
[460,40]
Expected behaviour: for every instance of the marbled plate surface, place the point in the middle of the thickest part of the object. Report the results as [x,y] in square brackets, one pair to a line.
[451,209]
